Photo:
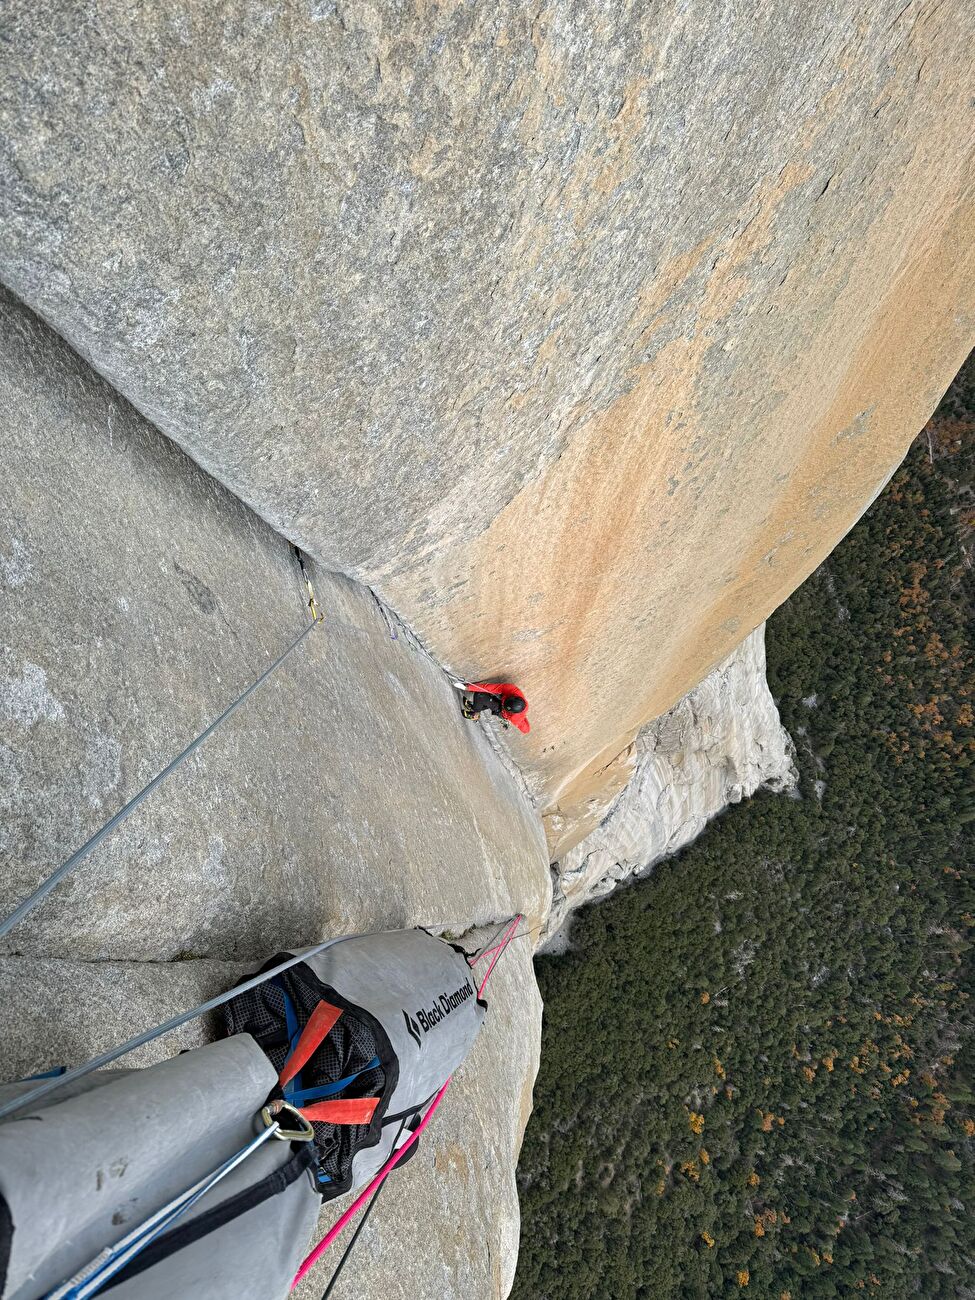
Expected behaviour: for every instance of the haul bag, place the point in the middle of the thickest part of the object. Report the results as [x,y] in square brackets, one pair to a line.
[79,1172]
[401,1013]
[360,1037]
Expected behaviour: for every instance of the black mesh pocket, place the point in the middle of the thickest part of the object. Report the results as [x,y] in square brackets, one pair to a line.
[356,1050]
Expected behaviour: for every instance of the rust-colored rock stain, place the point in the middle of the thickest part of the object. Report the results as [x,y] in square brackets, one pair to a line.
[662,535]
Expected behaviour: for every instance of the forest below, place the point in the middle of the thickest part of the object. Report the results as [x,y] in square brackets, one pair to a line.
[757,1065]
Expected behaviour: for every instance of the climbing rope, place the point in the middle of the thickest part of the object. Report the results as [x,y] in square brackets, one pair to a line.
[85,851]
[524,934]
[106,1058]
[358,1232]
[489,946]
[508,936]
[110,1261]
[89,847]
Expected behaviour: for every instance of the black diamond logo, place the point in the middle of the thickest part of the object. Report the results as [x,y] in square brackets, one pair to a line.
[412,1028]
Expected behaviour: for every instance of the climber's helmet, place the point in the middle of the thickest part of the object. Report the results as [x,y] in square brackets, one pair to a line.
[513,704]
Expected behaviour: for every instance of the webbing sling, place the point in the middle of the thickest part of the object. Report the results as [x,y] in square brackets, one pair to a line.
[292,1030]
[293,1092]
[298,1096]
[347,1110]
[320,1024]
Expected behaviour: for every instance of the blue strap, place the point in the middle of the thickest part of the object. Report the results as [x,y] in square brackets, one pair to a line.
[293,1092]
[294,1033]
[299,1097]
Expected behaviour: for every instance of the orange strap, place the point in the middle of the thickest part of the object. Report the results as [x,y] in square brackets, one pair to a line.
[320,1024]
[354,1110]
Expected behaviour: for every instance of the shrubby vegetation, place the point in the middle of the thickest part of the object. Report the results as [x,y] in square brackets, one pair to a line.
[758,1065]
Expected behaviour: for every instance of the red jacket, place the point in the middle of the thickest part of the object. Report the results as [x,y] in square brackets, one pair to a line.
[519,720]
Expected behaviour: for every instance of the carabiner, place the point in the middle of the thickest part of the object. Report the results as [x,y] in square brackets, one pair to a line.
[269,1114]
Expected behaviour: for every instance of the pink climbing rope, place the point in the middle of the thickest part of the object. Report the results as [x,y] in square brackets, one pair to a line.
[497,948]
[312,1258]
[315,1255]
[508,936]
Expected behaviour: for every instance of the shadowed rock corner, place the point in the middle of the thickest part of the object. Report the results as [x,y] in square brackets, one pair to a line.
[349,794]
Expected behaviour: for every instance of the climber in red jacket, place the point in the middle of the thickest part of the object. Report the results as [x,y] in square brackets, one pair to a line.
[503,699]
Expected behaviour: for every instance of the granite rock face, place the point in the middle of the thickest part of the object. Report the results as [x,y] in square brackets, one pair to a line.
[582,334]
[137,598]
[716,747]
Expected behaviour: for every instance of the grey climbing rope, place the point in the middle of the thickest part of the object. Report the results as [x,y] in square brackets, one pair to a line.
[79,855]
[113,1259]
[174,1022]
